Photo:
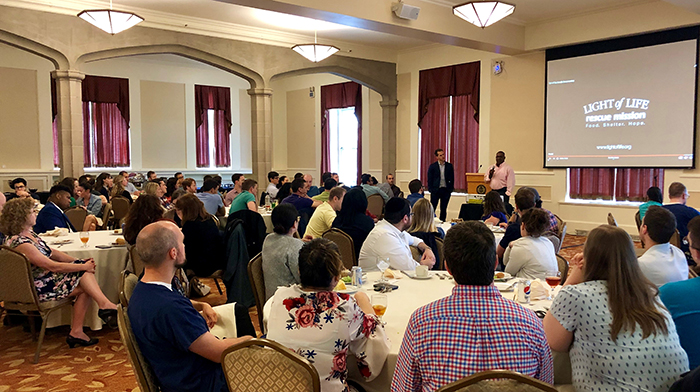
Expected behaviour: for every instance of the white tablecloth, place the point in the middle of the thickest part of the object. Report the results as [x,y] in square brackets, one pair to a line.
[267,217]
[109,263]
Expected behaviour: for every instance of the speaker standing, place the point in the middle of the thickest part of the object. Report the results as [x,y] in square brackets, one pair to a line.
[441,182]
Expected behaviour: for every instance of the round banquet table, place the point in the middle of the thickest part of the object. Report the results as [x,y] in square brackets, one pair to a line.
[109,263]
[267,217]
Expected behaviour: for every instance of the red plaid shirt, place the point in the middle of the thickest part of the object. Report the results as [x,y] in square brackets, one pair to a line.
[473,330]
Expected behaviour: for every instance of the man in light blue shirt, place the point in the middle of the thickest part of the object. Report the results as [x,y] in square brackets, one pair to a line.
[371,189]
[213,202]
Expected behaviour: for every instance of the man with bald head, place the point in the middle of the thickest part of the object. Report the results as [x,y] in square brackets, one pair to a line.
[171,334]
[311,189]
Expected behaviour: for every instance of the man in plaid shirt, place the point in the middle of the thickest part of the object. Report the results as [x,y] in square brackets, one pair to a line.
[475,328]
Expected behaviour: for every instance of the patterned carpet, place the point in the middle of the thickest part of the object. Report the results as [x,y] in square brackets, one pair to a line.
[103,367]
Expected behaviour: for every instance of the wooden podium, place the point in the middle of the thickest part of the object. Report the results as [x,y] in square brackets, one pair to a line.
[476,184]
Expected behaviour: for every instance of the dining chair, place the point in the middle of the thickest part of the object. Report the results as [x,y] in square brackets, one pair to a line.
[169,214]
[375,205]
[638,221]
[76,216]
[441,254]
[120,206]
[563,265]
[127,283]
[415,253]
[611,220]
[265,365]
[145,377]
[17,291]
[561,232]
[498,380]
[676,239]
[345,245]
[106,216]
[257,282]
[136,262]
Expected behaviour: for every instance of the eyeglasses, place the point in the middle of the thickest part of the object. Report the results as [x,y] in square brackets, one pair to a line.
[687,242]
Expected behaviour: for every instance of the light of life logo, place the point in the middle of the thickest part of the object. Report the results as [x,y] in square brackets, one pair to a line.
[635,117]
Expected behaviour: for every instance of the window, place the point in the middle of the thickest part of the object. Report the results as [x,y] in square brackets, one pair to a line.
[343,139]
[610,185]
[213,124]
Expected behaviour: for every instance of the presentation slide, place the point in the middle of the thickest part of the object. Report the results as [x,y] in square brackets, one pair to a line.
[629,108]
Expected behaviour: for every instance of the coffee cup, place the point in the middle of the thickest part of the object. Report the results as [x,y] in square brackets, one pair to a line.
[422,271]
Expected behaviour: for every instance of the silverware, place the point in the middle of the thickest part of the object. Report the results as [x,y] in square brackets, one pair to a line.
[440,276]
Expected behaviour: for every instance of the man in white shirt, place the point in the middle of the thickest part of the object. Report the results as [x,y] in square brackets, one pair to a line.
[323,217]
[662,262]
[274,179]
[389,241]
[501,177]
[129,186]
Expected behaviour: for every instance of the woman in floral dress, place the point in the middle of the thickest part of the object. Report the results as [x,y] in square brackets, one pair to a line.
[56,274]
[322,325]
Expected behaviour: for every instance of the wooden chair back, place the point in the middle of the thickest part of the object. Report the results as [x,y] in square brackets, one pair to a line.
[257,282]
[638,219]
[561,232]
[441,253]
[265,365]
[375,205]
[415,252]
[120,206]
[77,216]
[345,245]
[106,216]
[498,380]
[563,267]
[676,239]
[611,220]
[145,377]
[127,283]
[136,261]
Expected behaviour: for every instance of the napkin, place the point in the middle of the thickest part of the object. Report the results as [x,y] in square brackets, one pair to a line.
[539,290]
[57,232]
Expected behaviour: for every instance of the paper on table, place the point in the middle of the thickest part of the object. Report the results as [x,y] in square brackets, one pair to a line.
[506,286]
[539,290]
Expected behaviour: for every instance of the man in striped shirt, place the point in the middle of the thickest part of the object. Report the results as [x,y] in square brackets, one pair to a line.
[474,329]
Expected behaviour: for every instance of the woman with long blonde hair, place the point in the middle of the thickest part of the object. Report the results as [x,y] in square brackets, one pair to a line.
[610,319]
[119,188]
[423,227]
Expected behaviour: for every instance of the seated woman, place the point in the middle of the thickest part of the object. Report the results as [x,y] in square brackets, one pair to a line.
[311,318]
[423,227]
[628,341]
[103,184]
[494,210]
[531,256]
[352,218]
[204,247]
[654,198]
[56,274]
[280,251]
[145,210]
[119,188]
[91,203]
[285,190]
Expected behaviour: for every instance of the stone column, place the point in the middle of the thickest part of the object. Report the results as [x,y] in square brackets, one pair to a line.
[261,133]
[69,121]
[389,136]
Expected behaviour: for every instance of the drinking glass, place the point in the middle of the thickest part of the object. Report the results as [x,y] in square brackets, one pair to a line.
[379,303]
[85,237]
[382,264]
[553,279]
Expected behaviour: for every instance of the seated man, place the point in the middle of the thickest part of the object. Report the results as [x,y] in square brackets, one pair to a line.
[524,200]
[416,188]
[389,241]
[391,181]
[21,190]
[189,185]
[681,300]
[678,195]
[129,186]
[274,178]
[327,186]
[474,329]
[246,200]
[311,189]
[211,198]
[303,203]
[52,216]
[325,214]
[172,335]
[369,189]
[662,262]
[237,180]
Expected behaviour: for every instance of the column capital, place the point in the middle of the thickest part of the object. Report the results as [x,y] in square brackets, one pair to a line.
[67,74]
[259,91]
[389,102]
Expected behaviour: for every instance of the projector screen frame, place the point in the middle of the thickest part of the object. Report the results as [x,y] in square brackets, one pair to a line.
[619,44]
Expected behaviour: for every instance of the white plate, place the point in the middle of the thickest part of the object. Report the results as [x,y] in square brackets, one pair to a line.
[61,242]
[506,286]
[412,275]
[349,289]
[505,278]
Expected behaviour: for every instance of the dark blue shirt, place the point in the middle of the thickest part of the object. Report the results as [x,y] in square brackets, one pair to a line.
[501,216]
[51,217]
[683,215]
[165,325]
[512,233]
[413,198]
[299,202]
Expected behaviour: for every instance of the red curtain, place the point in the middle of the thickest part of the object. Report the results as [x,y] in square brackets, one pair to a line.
[218,99]
[632,184]
[433,133]
[103,89]
[54,125]
[337,96]
[222,138]
[106,121]
[202,142]
[453,80]
[87,147]
[591,183]
[464,140]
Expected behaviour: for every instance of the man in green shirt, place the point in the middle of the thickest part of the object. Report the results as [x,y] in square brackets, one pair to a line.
[246,199]
[327,186]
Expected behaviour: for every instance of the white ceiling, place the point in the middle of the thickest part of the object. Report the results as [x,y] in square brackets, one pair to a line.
[223,19]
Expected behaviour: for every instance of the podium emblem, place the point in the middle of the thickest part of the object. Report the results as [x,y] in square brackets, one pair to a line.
[481,189]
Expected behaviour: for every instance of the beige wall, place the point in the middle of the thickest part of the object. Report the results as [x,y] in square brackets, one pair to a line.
[19,111]
[163,125]
[301,135]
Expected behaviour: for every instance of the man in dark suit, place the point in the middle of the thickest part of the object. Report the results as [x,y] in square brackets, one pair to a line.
[52,216]
[441,182]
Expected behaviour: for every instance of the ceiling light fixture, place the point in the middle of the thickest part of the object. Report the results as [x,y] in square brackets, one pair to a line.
[315,52]
[483,13]
[111,21]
